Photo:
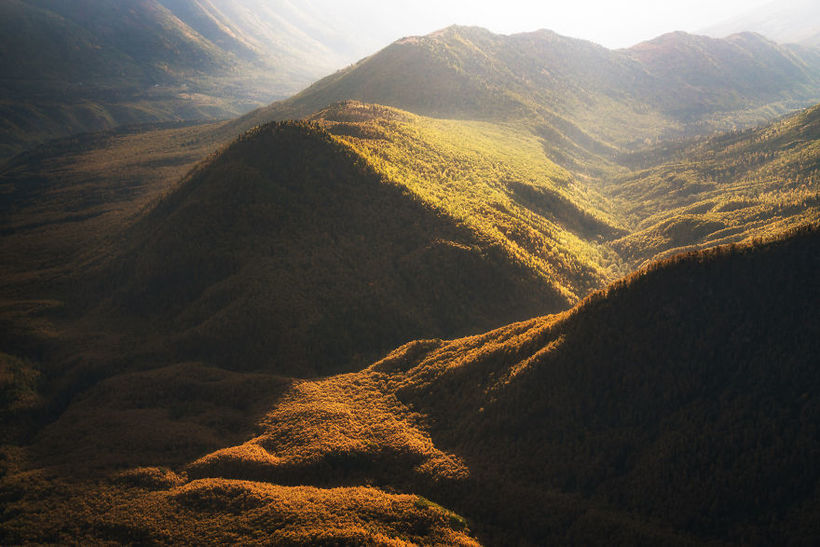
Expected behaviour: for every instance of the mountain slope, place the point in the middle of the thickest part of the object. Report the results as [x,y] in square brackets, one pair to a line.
[288,251]
[91,65]
[693,380]
[703,76]
[87,66]
[724,189]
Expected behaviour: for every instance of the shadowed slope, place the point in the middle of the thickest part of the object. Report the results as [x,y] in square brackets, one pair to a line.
[89,65]
[495,179]
[695,380]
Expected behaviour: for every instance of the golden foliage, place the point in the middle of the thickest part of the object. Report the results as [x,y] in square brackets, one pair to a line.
[212,511]
[495,179]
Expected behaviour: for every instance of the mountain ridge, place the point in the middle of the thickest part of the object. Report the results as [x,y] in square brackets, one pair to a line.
[509,82]
[91,65]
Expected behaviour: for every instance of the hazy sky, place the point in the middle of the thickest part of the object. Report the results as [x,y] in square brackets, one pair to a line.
[612,23]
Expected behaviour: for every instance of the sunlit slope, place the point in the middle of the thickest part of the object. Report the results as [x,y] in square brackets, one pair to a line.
[695,380]
[157,506]
[494,178]
[723,189]
[289,251]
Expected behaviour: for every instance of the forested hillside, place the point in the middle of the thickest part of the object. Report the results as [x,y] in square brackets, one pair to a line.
[727,188]
[289,252]
[199,322]
[697,382]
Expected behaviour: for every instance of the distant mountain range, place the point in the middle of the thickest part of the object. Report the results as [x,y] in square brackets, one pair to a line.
[582,97]
[96,64]
[792,22]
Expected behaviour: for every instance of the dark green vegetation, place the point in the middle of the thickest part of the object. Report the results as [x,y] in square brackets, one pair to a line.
[159,288]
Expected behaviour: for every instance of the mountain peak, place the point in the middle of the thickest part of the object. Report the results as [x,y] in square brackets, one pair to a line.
[673,39]
[448,33]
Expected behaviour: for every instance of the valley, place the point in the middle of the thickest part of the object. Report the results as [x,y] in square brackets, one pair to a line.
[472,289]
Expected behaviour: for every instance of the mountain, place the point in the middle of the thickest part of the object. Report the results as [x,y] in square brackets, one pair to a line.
[177,299]
[186,276]
[311,248]
[745,71]
[793,22]
[187,59]
[693,380]
[584,98]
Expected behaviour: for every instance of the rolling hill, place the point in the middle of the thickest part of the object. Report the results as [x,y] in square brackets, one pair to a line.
[693,380]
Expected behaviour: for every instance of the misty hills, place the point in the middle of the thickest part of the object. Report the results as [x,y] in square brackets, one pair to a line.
[794,22]
[585,98]
[90,65]
[194,59]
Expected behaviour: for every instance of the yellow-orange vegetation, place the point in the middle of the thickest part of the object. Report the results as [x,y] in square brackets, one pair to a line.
[566,427]
[342,429]
[728,188]
[494,178]
[212,511]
